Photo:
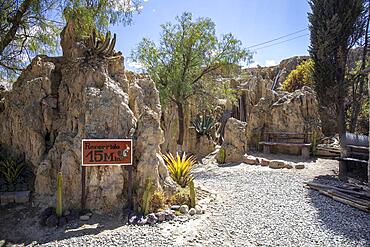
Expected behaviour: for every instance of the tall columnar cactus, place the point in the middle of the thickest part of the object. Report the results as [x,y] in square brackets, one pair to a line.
[222,156]
[314,142]
[192,194]
[59,207]
[147,196]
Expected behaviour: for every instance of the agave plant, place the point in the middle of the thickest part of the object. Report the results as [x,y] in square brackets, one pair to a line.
[11,170]
[180,168]
[203,124]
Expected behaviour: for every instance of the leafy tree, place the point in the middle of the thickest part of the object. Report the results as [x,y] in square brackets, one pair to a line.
[335,27]
[30,27]
[188,51]
[301,76]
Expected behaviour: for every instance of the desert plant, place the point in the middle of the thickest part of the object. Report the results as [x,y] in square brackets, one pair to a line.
[157,201]
[222,156]
[59,207]
[181,197]
[180,168]
[147,196]
[192,193]
[203,124]
[314,142]
[11,170]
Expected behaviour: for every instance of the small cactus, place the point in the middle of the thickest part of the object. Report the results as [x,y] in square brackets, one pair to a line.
[314,142]
[222,156]
[147,196]
[192,194]
[100,47]
[59,207]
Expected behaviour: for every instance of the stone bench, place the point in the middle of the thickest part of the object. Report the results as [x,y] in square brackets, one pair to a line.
[288,139]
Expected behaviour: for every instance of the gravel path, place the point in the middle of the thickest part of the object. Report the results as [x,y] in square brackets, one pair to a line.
[252,206]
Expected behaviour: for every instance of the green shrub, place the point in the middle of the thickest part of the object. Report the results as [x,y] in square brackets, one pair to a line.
[157,201]
[11,170]
[181,197]
[301,76]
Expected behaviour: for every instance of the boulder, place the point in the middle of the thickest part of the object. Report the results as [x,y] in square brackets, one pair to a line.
[277,164]
[250,160]
[235,140]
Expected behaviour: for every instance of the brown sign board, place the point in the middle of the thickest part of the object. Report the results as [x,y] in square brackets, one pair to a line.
[104,152]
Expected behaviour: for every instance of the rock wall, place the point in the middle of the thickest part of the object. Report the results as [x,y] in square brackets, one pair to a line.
[57,102]
[235,142]
[284,112]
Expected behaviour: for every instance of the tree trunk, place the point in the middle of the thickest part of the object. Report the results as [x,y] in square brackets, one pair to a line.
[15,21]
[180,115]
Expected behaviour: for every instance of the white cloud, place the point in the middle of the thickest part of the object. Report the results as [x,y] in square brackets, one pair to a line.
[271,62]
[153,10]
[253,65]
[146,0]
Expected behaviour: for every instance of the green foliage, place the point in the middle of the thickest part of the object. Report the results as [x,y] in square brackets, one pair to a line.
[181,197]
[335,27]
[157,201]
[40,22]
[59,207]
[192,194]
[203,124]
[180,168]
[301,76]
[222,156]
[314,143]
[11,170]
[147,196]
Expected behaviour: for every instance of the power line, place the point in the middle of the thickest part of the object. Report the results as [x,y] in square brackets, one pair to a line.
[281,42]
[284,36]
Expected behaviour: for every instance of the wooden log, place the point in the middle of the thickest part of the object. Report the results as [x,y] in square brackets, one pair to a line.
[344,201]
[360,194]
[350,198]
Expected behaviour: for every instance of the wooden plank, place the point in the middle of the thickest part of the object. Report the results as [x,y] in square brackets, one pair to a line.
[358,147]
[351,159]
[285,144]
[360,194]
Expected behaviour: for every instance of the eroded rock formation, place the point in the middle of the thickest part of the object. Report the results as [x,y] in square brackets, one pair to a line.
[57,102]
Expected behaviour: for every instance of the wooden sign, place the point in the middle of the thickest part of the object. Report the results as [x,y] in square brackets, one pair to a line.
[104,152]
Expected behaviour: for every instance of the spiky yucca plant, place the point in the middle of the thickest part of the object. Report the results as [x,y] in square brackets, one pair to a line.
[180,168]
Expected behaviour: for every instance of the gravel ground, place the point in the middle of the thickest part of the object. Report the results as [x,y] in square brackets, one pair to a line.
[251,206]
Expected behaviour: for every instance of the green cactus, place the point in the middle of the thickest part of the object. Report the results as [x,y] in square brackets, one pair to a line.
[59,207]
[192,194]
[314,142]
[222,156]
[149,189]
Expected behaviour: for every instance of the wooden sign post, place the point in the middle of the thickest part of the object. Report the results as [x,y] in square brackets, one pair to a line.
[106,152]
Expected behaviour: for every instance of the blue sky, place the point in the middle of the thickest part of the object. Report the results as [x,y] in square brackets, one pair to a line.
[251,21]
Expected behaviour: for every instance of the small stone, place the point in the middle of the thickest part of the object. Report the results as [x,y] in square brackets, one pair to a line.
[89,214]
[151,219]
[51,221]
[299,166]
[84,217]
[161,216]
[198,209]
[169,215]
[288,166]
[250,160]
[175,207]
[277,164]
[192,211]
[264,162]
[184,209]
[142,221]
[66,213]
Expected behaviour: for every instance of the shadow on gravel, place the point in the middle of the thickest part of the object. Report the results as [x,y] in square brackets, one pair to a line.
[20,225]
[342,219]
